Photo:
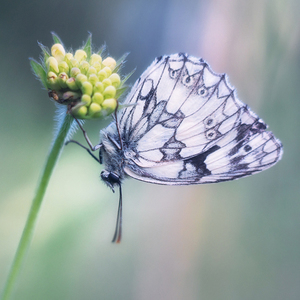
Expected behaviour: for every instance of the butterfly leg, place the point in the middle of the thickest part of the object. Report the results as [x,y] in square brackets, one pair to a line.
[93,148]
[99,160]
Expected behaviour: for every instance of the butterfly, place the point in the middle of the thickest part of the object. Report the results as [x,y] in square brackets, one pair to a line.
[183,124]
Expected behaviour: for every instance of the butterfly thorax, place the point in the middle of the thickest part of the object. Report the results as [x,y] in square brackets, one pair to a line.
[113,156]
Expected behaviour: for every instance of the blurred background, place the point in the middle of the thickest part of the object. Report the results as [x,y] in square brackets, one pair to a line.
[233,240]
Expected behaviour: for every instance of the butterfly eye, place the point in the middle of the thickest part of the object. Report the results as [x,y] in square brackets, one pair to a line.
[173,73]
[202,91]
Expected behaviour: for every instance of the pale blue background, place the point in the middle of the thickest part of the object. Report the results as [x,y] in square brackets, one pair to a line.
[235,240]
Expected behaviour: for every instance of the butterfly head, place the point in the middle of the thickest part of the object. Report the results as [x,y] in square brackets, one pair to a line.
[110,179]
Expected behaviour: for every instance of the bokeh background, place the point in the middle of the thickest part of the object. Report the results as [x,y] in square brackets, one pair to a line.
[234,240]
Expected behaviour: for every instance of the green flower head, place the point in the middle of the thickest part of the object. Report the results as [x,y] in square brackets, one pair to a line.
[87,82]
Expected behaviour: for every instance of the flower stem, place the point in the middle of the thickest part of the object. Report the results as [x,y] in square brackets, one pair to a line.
[27,234]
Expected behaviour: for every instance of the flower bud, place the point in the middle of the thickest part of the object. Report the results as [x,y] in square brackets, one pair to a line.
[95,58]
[74,63]
[80,55]
[109,92]
[63,67]
[106,83]
[107,71]
[52,81]
[62,78]
[97,98]
[102,75]
[71,83]
[86,99]
[109,105]
[97,66]
[87,88]
[58,51]
[115,79]
[98,87]
[94,108]
[52,64]
[109,62]
[68,57]
[91,70]
[71,96]
[80,111]
[84,66]
[93,78]
[74,72]
[80,78]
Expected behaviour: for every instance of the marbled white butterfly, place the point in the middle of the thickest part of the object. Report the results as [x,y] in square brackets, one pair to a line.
[183,124]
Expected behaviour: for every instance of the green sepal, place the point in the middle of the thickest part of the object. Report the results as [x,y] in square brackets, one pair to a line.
[121,106]
[88,47]
[46,52]
[56,38]
[39,71]
[120,62]
[125,78]
[101,50]
[123,88]
[121,91]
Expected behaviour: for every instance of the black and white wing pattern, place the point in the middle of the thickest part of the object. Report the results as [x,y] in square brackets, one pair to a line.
[185,125]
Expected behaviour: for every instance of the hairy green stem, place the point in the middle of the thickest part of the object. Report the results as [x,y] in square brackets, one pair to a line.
[36,205]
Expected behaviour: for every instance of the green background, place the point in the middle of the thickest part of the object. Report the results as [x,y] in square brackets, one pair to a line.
[234,240]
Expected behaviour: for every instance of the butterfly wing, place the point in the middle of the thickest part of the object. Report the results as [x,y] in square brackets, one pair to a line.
[184,125]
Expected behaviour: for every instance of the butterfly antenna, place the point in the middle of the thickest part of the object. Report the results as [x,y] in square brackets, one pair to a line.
[118,232]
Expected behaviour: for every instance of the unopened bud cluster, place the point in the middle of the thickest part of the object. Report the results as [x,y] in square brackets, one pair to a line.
[89,85]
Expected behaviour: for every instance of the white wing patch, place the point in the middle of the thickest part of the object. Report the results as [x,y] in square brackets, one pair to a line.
[186,126]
